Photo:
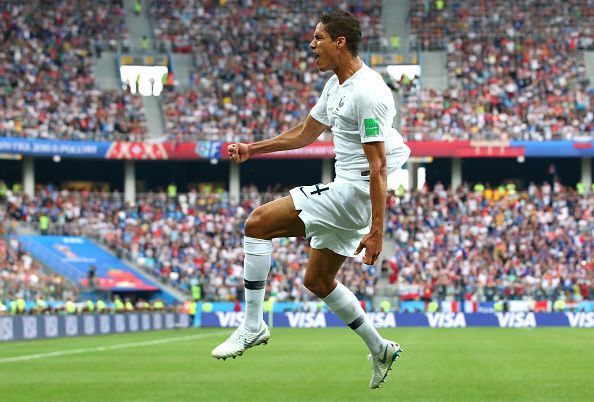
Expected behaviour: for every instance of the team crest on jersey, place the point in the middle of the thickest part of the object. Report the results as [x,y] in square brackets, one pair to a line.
[371,127]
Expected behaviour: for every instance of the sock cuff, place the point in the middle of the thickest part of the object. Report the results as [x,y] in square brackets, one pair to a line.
[254,285]
[257,246]
[357,323]
[339,298]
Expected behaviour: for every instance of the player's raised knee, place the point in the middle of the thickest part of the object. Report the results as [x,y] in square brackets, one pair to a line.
[255,225]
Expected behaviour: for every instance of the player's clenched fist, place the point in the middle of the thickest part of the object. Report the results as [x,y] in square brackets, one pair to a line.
[238,152]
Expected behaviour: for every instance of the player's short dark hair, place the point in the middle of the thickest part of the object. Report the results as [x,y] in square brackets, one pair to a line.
[342,23]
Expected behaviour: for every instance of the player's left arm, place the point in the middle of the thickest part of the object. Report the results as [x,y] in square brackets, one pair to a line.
[373,114]
[378,178]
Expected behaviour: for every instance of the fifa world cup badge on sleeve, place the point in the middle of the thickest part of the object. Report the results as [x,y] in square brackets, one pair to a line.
[371,127]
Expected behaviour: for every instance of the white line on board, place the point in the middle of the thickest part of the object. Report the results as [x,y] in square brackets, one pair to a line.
[106,348]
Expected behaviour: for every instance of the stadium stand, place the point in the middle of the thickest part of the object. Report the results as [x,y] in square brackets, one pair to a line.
[493,244]
[479,245]
[515,71]
[189,237]
[47,87]
[254,75]
[254,78]
[22,277]
[524,80]
[184,27]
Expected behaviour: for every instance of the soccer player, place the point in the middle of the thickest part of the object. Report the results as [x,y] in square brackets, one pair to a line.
[343,217]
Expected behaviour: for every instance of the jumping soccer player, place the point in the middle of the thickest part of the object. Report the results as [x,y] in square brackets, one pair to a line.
[343,217]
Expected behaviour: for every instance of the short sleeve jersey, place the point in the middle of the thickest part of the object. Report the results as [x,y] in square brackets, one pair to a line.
[359,111]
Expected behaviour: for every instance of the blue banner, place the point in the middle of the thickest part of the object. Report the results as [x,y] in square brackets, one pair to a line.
[561,149]
[430,320]
[35,147]
[16,328]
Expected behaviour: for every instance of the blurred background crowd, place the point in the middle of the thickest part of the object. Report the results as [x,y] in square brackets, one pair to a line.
[514,72]
[479,244]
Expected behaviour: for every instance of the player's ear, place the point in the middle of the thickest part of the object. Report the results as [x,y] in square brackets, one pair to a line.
[340,42]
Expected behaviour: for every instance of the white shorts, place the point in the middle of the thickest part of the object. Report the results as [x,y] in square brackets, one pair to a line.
[336,215]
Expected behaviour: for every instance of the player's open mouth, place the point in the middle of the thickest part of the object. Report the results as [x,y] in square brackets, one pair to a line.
[316,57]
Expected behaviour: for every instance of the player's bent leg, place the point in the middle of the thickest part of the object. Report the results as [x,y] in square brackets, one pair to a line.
[278,218]
[320,279]
[274,219]
[256,265]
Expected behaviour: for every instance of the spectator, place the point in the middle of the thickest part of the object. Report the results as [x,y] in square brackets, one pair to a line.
[137,7]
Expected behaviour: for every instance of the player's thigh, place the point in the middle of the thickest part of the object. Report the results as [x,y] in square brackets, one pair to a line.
[322,267]
[277,218]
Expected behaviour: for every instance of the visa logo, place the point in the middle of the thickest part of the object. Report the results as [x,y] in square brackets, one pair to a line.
[446,320]
[382,320]
[516,320]
[230,318]
[581,320]
[306,320]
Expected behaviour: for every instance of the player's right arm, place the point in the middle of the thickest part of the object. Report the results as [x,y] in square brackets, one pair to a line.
[297,137]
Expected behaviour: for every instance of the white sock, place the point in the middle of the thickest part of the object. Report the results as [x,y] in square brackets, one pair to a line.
[345,305]
[255,271]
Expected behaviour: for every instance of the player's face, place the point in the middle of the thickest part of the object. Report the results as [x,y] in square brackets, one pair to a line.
[324,49]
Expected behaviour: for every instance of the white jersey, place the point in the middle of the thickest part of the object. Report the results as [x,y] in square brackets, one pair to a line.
[360,110]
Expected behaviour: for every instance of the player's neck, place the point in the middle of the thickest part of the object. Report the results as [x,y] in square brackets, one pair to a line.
[346,69]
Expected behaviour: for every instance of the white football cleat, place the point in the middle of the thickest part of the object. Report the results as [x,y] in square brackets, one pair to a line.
[240,341]
[382,364]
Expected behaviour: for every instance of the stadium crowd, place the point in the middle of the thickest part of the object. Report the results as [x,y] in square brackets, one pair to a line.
[47,85]
[184,27]
[515,71]
[23,277]
[255,75]
[493,244]
[183,240]
[482,244]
